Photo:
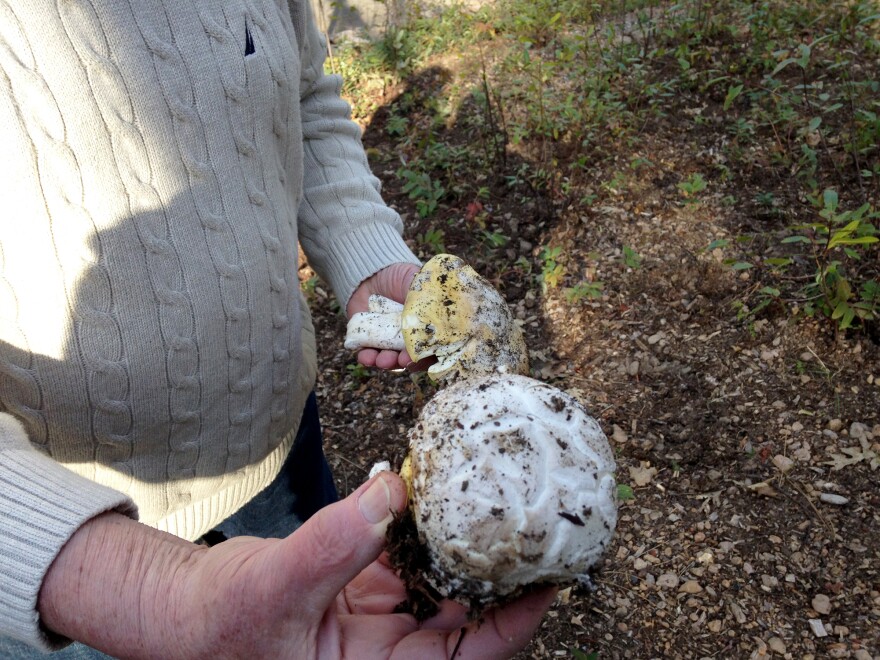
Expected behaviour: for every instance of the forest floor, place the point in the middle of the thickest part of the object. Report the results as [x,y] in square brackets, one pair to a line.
[752,444]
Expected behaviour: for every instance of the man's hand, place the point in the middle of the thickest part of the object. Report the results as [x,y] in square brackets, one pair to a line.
[321,592]
[391,282]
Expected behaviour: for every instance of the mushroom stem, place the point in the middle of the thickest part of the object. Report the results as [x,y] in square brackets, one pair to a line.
[378,327]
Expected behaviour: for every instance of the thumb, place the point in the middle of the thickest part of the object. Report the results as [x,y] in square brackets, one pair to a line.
[340,540]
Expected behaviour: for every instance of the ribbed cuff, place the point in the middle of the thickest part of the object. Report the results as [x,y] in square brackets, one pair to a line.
[41,505]
[360,253]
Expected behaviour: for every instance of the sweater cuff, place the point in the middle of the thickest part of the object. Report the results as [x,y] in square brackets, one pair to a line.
[41,506]
[358,254]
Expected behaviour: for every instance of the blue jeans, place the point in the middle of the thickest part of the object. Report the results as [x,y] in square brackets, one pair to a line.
[303,486]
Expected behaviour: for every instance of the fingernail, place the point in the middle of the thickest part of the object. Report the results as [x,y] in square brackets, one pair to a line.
[375,502]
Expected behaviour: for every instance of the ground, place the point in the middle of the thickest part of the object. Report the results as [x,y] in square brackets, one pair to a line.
[751,444]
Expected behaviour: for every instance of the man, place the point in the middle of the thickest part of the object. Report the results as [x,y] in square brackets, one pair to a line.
[161,161]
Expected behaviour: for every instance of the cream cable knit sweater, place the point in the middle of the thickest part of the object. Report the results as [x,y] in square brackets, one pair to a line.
[160,161]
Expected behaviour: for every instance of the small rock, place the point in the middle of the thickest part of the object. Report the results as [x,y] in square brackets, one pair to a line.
[714,625]
[690,587]
[835,424]
[862,654]
[639,563]
[858,430]
[776,645]
[655,338]
[818,627]
[618,434]
[668,581]
[737,612]
[797,427]
[831,498]
[782,463]
[633,368]
[821,603]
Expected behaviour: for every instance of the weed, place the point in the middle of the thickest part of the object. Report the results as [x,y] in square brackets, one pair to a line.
[495,239]
[691,186]
[835,242]
[358,373]
[433,240]
[584,290]
[631,258]
[552,271]
[423,190]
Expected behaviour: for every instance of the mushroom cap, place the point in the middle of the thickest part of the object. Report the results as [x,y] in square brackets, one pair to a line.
[512,483]
[454,314]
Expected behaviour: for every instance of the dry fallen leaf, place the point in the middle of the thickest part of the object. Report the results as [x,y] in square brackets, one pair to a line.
[854,455]
[642,475]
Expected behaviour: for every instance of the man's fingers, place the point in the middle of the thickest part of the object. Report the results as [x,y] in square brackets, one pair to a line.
[501,633]
[367,356]
[387,359]
[339,541]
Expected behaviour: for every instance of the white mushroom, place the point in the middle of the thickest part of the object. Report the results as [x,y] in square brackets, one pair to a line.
[450,313]
[511,484]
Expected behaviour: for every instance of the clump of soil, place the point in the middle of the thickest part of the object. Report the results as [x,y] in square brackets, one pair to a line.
[409,556]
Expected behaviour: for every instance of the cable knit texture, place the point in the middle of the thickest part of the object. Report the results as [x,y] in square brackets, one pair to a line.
[162,159]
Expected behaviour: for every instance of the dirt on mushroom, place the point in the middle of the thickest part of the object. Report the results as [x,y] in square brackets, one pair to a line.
[508,489]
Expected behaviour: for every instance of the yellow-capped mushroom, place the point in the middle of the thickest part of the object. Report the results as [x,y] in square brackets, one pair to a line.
[450,313]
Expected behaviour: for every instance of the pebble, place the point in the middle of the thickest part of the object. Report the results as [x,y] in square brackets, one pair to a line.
[835,424]
[782,463]
[668,581]
[858,430]
[831,498]
[618,434]
[776,645]
[691,587]
[818,627]
[821,603]
[655,338]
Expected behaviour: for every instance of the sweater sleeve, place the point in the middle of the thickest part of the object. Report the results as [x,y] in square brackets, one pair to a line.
[41,505]
[346,229]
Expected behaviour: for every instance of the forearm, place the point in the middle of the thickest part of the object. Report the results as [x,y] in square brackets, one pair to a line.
[113,587]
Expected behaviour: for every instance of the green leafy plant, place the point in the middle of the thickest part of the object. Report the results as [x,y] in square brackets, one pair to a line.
[691,186]
[584,290]
[423,190]
[552,271]
[625,492]
[433,240]
[834,242]
[495,239]
[358,373]
[631,258]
